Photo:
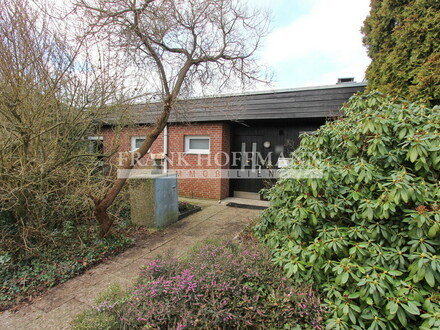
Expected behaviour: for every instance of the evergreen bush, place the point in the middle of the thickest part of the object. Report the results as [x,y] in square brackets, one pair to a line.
[367,231]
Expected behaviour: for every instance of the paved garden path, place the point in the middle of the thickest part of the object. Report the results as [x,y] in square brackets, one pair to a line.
[57,308]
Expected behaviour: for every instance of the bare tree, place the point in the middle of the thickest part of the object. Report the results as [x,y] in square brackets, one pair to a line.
[177,46]
[46,86]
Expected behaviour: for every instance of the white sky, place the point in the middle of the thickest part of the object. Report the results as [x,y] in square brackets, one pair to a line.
[315,42]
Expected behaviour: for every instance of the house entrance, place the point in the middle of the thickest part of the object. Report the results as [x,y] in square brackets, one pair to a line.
[257,146]
[247,163]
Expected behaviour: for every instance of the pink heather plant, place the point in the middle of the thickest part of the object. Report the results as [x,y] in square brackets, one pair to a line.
[218,286]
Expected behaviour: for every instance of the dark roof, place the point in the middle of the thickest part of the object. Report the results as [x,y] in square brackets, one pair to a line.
[312,102]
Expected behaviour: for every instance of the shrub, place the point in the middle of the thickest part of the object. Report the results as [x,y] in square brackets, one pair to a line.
[217,286]
[185,206]
[48,168]
[367,232]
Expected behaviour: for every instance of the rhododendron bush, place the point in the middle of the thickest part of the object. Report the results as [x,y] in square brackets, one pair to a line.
[366,230]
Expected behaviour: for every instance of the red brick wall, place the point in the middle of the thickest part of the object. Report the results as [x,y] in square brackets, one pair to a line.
[219,133]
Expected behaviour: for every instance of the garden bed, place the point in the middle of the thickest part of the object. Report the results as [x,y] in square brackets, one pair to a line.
[28,277]
[186,209]
[77,249]
[219,285]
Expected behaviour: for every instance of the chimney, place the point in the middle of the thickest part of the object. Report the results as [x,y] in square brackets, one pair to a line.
[345,80]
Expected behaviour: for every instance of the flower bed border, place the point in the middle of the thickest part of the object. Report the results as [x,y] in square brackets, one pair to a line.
[187,213]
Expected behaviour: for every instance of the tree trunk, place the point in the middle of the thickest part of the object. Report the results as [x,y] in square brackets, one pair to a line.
[102,204]
[105,223]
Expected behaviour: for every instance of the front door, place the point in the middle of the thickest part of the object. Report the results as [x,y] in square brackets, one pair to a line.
[246,163]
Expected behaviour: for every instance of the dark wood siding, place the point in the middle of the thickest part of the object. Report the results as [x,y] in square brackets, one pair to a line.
[284,138]
[282,134]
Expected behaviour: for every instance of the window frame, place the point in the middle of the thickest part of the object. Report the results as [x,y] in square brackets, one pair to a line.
[188,149]
[96,138]
[133,142]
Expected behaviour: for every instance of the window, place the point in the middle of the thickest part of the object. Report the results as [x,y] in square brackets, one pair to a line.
[197,144]
[136,142]
[96,145]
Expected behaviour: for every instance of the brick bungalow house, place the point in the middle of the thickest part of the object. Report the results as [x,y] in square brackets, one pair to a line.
[207,134]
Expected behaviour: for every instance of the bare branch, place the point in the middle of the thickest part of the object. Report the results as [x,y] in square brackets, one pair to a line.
[176,45]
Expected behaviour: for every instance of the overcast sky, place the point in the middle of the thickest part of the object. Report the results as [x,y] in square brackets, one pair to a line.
[315,42]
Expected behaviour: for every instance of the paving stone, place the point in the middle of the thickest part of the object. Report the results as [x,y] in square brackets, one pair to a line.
[132,254]
[21,319]
[130,271]
[88,294]
[58,295]
[60,318]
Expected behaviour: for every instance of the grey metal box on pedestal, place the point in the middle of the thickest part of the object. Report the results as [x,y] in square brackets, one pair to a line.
[153,200]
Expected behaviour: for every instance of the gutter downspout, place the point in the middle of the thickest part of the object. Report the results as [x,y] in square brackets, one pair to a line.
[165,149]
